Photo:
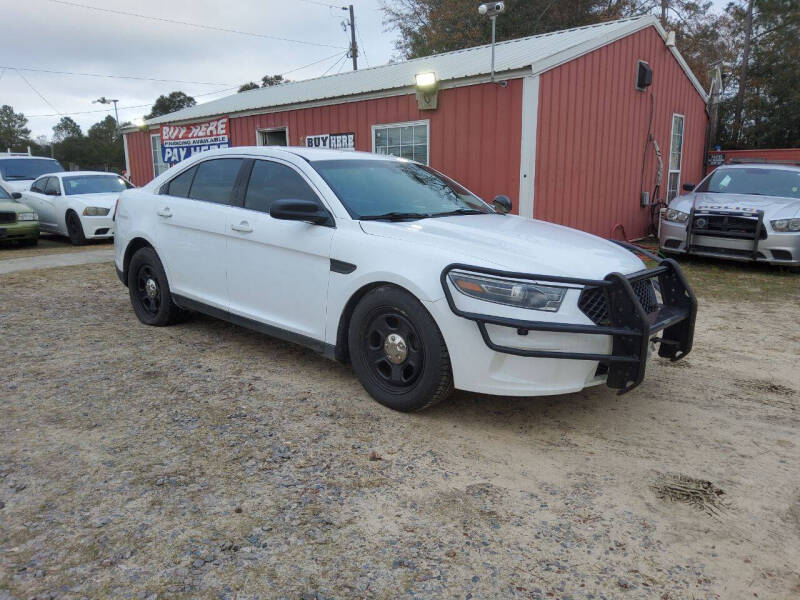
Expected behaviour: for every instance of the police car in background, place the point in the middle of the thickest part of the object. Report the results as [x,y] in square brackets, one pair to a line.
[748,212]
[19,170]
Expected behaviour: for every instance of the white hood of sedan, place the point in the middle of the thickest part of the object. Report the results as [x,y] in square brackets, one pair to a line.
[514,243]
[773,206]
[101,200]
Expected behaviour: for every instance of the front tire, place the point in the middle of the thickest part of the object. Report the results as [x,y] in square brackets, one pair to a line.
[398,352]
[148,289]
[74,228]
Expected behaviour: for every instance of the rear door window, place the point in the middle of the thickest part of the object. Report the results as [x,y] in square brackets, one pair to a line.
[270,181]
[52,188]
[215,179]
[180,185]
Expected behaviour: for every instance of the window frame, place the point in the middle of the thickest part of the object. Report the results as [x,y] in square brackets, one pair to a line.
[670,170]
[153,155]
[284,128]
[426,122]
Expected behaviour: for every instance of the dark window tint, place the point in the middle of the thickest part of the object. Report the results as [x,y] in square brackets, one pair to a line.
[38,186]
[214,180]
[181,184]
[4,195]
[52,187]
[27,168]
[271,181]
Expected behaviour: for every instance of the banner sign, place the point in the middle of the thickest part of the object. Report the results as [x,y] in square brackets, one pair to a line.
[332,141]
[179,142]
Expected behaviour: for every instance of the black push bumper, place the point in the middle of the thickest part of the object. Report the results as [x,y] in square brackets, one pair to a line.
[628,323]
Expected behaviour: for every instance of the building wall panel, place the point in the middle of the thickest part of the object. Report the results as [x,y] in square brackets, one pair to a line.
[474,134]
[592,131]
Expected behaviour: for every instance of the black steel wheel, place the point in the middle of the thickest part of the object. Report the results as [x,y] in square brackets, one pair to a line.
[74,228]
[149,290]
[398,352]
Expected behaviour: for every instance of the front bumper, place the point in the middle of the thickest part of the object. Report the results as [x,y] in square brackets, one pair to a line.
[97,228]
[630,328]
[764,245]
[20,230]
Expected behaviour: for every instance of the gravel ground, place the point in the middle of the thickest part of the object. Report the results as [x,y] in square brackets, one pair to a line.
[206,461]
[49,244]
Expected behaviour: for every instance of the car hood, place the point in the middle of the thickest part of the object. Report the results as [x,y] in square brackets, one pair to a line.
[513,243]
[18,185]
[773,206]
[102,200]
[11,206]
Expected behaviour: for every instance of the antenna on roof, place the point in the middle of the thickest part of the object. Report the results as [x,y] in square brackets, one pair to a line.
[492,9]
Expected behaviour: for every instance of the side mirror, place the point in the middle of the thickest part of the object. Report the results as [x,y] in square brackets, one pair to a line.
[300,210]
[502,203]
[16,195]
[688,187]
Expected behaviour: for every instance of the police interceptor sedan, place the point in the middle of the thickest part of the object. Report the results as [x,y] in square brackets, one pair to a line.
[748,212]
[395,268]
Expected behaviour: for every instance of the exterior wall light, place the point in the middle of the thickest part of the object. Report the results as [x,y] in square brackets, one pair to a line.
[427,91]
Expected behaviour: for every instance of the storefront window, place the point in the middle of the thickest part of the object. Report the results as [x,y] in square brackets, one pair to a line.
[159,166]
[406,140]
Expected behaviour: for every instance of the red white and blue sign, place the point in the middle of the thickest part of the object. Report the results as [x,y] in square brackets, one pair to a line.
[179,142]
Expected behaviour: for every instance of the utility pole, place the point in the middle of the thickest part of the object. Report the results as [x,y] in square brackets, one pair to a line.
[104,100]
[748,32]
[353,44]
[664,9]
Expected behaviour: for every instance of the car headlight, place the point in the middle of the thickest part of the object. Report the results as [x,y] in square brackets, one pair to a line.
[509,291]
[676,216]
[791,225]
[28,216]
[95,211]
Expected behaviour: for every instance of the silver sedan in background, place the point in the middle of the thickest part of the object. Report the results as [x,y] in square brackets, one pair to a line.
[748,212]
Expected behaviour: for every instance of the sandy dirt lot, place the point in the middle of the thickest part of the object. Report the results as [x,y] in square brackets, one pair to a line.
[49,244]
[206,461]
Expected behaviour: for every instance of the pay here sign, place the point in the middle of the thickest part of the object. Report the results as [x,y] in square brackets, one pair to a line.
[179,142]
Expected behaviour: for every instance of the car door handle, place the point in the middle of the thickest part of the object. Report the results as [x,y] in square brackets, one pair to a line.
[243,227]
[164,212]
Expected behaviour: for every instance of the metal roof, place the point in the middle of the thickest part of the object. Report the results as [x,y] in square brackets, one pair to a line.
[537,53]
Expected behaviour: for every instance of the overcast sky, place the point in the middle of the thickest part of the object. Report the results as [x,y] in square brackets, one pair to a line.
[60,35]
[50,35]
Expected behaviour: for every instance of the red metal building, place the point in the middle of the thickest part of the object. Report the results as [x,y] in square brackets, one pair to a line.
[564,129]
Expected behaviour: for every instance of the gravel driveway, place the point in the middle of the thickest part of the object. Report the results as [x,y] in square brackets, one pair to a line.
[206,461]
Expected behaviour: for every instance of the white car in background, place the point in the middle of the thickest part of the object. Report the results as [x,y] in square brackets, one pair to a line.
[77,204]
[401,271]
[18,171]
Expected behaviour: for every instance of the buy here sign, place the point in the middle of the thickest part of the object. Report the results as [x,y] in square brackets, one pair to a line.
[179,142]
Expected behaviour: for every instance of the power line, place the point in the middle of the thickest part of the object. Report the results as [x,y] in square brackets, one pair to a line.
[341,60]
[52,71]
[324,4]
[316,62]
[37,92]
[188,24]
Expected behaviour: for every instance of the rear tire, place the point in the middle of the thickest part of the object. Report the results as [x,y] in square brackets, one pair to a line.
[398,352]
[74,228]
[148,289]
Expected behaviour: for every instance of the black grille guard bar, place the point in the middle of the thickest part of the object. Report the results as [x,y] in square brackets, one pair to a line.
[630,326]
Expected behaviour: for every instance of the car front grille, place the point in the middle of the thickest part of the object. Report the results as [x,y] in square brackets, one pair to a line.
[8,217]
[593,302]
[718,224]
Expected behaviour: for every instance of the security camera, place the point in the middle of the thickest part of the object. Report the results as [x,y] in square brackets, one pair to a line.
[492,9]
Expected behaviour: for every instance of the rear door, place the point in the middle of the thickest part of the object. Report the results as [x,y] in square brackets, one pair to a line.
[278,270]
[33,196]
[192,212]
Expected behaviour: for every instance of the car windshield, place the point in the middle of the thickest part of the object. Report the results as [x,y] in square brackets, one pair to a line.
[755,181]
[396,189]
[94,184]
[27,168]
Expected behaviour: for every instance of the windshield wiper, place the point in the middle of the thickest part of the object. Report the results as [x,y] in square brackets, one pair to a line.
[10,177]
[394,216]
[461,211]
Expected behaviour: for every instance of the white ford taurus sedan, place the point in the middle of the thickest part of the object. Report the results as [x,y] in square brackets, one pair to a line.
[77,204]
[387,264]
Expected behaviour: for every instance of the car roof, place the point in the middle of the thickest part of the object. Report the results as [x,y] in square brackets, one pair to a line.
[309,154]
[6,156]
[760,165]
[71,173]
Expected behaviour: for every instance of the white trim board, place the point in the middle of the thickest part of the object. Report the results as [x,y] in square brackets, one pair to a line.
[527,154]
